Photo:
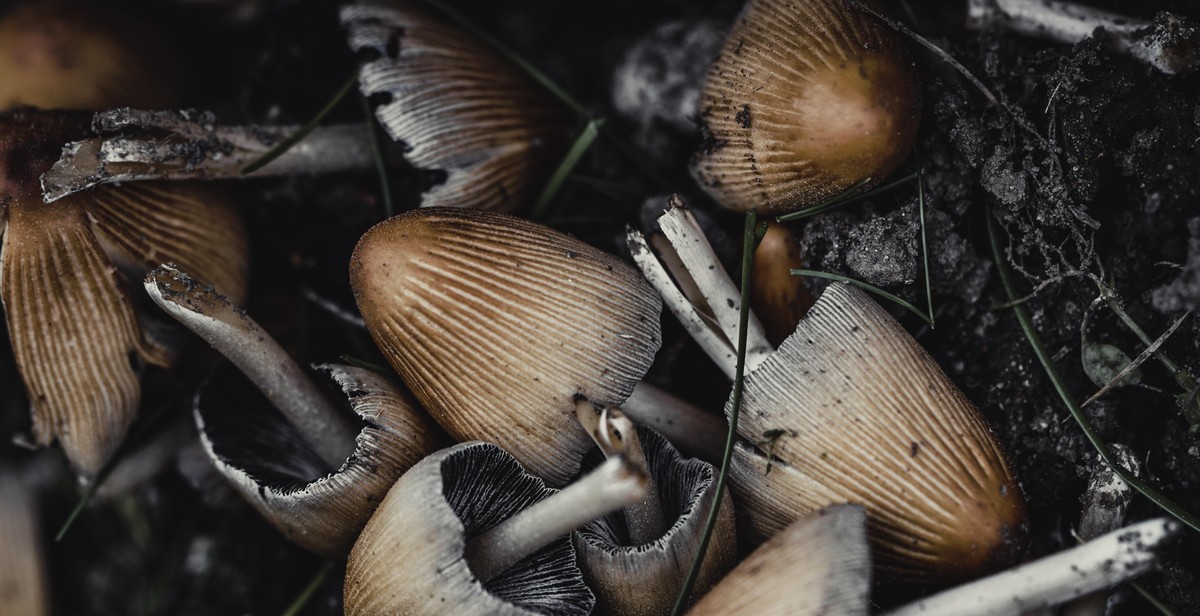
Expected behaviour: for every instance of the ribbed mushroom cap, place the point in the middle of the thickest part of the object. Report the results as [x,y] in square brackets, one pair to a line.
[638,579]
[262,456]
[817,565]
[409,558]
[805,100]
[457,105]
[81,55]
[862,414]
[497,323]
[22,564]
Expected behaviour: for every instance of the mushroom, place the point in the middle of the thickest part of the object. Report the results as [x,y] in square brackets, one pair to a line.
[468,531]
[80,55]
[805,100]
[23,587]
[778,298]
[851,409]
[496,324]
[817,565]
[459,107]
[314,476]
[75,333]
[630,558]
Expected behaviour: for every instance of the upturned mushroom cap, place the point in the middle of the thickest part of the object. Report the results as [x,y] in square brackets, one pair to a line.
[858,412]
[496,324]
[260,454]
[72,325]
[817,565]
[80,55]
[410,557]
[638,579]
[457,105]
[805,100]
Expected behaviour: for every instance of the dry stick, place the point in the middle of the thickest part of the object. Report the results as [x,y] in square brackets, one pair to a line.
[1138,361]
[613,485]
[616,435]
[1105,502]
[164,145]
[1111,559]
[236,336]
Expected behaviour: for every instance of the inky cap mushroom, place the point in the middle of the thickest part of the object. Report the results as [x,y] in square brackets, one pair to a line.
[75,333]
[805,100]
[458,106]
[496,324]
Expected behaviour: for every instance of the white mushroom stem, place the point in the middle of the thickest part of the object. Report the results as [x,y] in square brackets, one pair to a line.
[135,145]
[1105,502]
[613,485]
[616,436]
[692,430]
[1109,560]
[236,336]
[717,333]
[1068,22]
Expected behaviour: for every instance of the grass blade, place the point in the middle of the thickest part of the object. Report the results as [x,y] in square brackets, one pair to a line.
[385,188]
[1060,387]
[846,197]
[304,131]
[924,243]
[750,238]
[306,595]
[866,287]
[584,141]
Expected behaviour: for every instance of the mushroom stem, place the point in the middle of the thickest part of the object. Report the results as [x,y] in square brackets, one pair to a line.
[236,336]
[1105,502]
[616,436]
[133,145]
[1161,45]
[690,429]
[716,333]
[1109,560]
[613,485]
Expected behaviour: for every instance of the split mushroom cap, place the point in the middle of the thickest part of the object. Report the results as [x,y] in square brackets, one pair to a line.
[76,335]
[23,587]
[851,409]
[630,577]
[310,472]
[457,105]
[817,565]
[805,100]
[413,557]
[496,324]
[82,55]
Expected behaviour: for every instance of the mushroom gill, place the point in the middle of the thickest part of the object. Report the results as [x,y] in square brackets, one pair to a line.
[805,100]
[75,331]
[496,324]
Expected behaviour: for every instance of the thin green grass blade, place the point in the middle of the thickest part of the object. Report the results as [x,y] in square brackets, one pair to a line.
[1158,604]
[299,135]
[582,143]
[866,287]
[752,235]
[385,188]
[924,243]
[306,595]
[846,197]
[1060,386]
[367,365]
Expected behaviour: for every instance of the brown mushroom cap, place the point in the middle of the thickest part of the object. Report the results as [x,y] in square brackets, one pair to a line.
[23,583]
[72,324]
[496,324]
[805,100]
[410,557]
[817,565]
[778,298]
[80,55]
[858,412]
[259,452]
[457,105]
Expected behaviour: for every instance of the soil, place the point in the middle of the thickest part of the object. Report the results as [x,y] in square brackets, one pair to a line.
[1089,166]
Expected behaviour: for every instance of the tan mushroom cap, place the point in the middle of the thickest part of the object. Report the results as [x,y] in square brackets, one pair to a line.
[72,325]
[81,55]
[326,515]
[497,323]
[410,557]
[778,298]
[864,415]
[805,100]
[23,580]
[817,565]
[458,105]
